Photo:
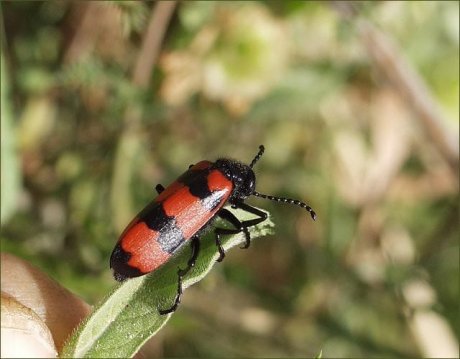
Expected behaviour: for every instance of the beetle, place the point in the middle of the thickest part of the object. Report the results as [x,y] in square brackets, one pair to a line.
[183,211]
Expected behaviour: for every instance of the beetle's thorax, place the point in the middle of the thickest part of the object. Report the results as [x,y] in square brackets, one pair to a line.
[241,175]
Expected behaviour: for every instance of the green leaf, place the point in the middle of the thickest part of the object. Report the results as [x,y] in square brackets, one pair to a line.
[129,316]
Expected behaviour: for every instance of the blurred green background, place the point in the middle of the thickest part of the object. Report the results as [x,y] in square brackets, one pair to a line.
[94,116]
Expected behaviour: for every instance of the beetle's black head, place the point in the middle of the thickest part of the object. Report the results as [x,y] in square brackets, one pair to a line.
[244,180]
[241,175]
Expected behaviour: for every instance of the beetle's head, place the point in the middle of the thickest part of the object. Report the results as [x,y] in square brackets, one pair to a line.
[241,175]
[244,181]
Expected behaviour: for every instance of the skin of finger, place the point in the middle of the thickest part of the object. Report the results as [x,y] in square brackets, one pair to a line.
[59,309]
[23,333]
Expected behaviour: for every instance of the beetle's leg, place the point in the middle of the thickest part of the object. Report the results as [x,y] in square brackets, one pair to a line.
[225,214]
[195,244]
[262,216]
[240,226]
[190,166]
[159,188]
[178,297]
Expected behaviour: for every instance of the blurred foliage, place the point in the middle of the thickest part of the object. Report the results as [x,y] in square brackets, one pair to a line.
[10,166]
[292,75]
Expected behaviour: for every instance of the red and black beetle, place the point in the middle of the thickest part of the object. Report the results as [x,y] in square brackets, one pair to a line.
[183,210]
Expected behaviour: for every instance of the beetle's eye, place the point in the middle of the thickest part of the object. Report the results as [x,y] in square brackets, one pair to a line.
[250,183]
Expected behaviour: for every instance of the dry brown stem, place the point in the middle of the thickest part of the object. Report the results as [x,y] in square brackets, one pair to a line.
[406,81]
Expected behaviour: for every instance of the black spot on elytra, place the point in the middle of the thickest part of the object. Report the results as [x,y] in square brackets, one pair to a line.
[119,262]
[170,236]
[197,182]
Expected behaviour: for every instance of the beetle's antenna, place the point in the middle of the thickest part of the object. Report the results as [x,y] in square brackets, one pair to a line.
[287,200]
[259,154]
